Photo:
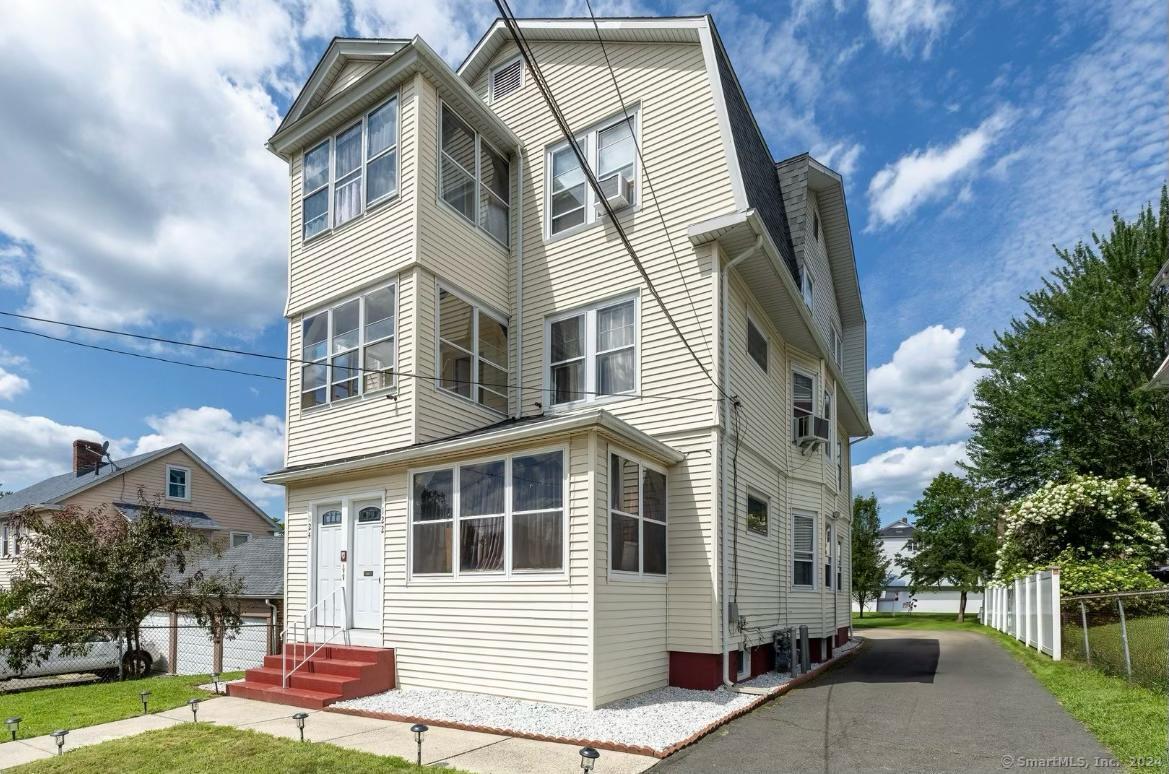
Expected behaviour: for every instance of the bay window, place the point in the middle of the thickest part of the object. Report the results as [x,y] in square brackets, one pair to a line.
[592,353]
[611,151]
[473,178]
[348,349]
[350,171]
[803,549]
[502,517]
[472,351]
[637,518]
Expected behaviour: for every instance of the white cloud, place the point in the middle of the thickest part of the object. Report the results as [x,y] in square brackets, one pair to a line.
[240,450]
[907,24]
[924,175]
[11,385]
[842,157]
[898,476]
[923,393]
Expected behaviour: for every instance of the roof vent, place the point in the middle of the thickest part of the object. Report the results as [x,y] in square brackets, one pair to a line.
[506,79]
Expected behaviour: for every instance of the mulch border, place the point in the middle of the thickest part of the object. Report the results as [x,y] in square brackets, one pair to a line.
[612,746]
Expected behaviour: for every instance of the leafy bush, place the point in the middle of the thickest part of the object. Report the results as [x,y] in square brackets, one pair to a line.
[1105,524]
[1098,576]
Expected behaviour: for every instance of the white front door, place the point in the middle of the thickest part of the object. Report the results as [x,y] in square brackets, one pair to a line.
[367,565]
[330,573]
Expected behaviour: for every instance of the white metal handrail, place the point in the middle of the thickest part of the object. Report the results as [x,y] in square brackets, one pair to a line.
[300,628]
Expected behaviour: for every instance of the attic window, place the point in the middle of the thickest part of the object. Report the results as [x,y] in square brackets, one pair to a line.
[506,78]
[816,226]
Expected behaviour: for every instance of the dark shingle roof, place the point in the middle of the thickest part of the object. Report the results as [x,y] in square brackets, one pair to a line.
[52,490]
[192,519]
[898,529]
[259,562]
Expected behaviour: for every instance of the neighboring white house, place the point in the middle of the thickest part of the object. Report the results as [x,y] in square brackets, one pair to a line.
[510,458]
[896,596]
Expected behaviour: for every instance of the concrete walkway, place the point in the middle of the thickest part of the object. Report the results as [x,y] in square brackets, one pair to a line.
[466,750]
[911,701]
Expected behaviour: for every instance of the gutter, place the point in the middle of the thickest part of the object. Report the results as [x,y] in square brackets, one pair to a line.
[725,378]
[571,422]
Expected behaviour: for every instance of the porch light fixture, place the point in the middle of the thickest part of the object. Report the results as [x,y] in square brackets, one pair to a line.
[145,697]
[13,724]
[300,718]
[59,735]
[588,758]
[194,705]
[418,730]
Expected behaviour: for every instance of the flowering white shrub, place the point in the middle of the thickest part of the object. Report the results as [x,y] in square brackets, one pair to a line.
[1084,518]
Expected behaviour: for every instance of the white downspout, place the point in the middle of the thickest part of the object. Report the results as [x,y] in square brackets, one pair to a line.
[725,377]
[519,289]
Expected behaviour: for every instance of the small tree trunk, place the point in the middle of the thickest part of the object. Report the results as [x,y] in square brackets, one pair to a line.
[962,608]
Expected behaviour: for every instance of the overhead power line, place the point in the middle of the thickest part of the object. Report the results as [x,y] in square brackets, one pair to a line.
[281,358]
[565,129]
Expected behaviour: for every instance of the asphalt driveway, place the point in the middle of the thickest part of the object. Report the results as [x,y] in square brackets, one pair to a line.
[911,701]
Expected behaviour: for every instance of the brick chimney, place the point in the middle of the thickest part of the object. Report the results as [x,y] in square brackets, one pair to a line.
[86,456]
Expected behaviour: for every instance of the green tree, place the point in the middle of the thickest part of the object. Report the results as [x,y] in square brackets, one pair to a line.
[870,566]
[98,569]
[1062,393]
[953,538]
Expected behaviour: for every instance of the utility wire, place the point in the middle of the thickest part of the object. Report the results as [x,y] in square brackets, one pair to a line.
[286,359]
[550,100]
[648,179]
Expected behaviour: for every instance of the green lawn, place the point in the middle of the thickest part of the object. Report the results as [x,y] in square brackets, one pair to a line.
[192,749]
[77,706]
[1148,644]
[1130,720]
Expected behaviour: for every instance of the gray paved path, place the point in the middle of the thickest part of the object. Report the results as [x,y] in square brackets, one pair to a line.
[911,701]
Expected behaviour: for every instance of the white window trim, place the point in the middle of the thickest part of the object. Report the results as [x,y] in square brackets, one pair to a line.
[590,354]
[4,539]
[186,485]
[492,98]
[477,308]
[640,575]
[329,185]
[838,350]
[762,331]
[744,671]
[829,562]
[756,495]
[232,536]
[476,176]
[809,279]
[792,552]
[838,546]
[507,574]
[587,140]
[795,369]
[359,296]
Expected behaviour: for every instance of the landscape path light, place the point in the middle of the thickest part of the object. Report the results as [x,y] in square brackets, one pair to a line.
[59,735]
[418,729]
[300,718]
[194,705]
[145,697]
[588,758]
[13,724]
[215,680]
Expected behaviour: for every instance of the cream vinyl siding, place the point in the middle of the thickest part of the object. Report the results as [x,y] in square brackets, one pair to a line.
[692,622]
[526,639]
[448,244]
[683,150]
[350,74]
[440,413]
[370,247]
[824,308]
[207,495]
[363,424]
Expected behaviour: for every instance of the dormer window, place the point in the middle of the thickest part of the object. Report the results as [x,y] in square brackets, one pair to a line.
[351,171]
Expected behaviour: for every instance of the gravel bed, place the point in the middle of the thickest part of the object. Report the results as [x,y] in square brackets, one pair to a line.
[658,719]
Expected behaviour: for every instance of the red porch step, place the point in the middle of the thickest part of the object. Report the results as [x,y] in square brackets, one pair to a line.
[334,673]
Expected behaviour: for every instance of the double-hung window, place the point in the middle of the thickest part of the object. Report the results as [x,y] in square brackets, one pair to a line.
[348,349]
[474,178]
[839,563]
[756,514]
[836,344]
[472,351]
[3,538]
[350,171]
[803,398]
[500,516]
[611,151]
[593,352]
[756,345]
[807,286]
[803,549]
[828,549]
[637,517]
[831,445]
[178,483]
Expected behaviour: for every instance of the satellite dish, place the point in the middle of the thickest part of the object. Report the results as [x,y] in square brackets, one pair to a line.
[105,448]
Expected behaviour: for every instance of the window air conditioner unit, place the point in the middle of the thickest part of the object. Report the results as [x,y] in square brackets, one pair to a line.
[810,431]
[617,192]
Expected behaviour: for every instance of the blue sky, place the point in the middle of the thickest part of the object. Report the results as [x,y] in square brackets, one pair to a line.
[137,195]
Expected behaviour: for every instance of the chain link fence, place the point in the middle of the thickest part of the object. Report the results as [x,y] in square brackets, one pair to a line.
[175,645]
[1125,634]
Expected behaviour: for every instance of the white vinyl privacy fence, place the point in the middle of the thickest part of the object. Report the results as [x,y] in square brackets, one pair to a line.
[1028,610]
